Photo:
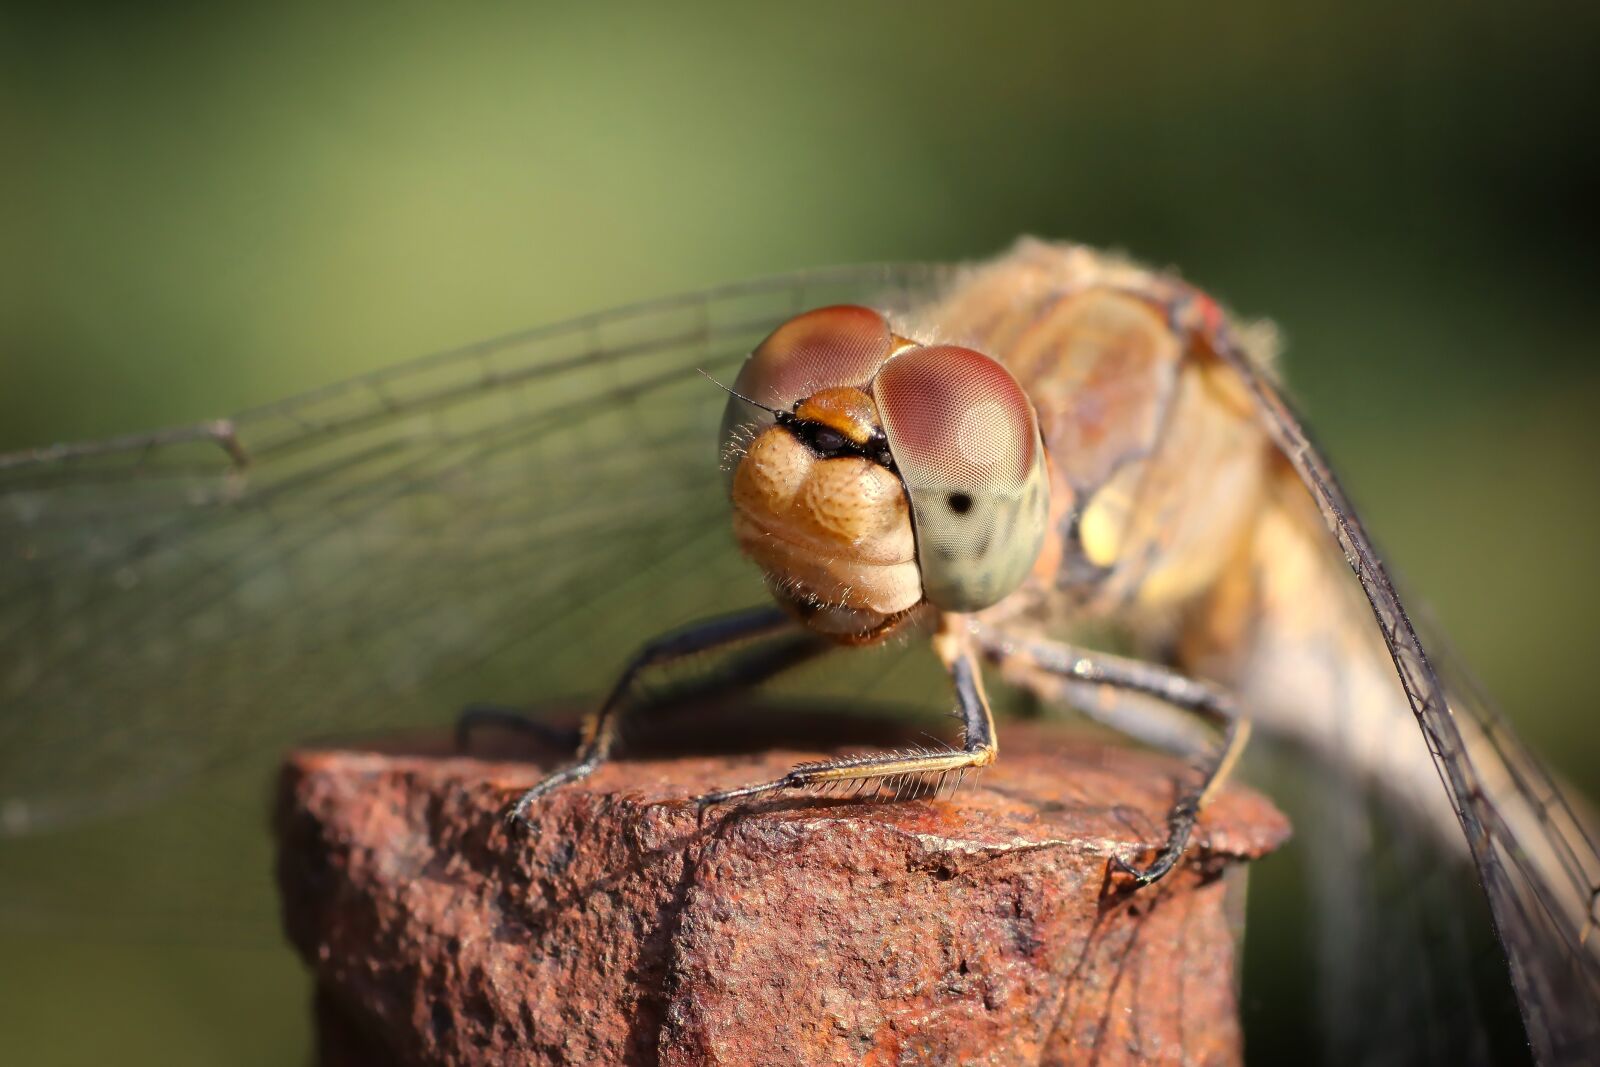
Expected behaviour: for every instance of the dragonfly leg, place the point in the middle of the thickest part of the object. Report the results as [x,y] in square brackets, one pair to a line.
[600,728]
[767,660]
[1052,668]
[914,772]
[475,717]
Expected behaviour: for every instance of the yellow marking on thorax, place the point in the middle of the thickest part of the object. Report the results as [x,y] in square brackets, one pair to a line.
[1103,525]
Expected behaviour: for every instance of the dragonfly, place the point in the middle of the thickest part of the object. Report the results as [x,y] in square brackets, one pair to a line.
[1058,465]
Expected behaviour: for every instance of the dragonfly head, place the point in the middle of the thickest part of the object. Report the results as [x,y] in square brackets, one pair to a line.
[872,474]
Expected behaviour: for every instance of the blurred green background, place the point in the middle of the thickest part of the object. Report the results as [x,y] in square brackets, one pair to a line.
[204,208]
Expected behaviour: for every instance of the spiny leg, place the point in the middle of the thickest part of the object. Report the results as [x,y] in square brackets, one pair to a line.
[599,731]
[914,768]
[740,672]
[1045,665]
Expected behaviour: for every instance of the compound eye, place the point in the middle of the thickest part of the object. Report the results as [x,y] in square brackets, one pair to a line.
[831,346]
[966,442]
[842,345]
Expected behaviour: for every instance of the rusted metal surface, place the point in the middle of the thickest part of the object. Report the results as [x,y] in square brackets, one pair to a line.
[624,929]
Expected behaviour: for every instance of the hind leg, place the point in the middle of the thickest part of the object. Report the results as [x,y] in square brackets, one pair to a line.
[1060,671]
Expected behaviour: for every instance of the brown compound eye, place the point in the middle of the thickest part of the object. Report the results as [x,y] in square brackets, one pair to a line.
[841,345]
[966,442]
[831,347]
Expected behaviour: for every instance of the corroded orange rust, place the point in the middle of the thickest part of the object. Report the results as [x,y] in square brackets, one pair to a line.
[978,930]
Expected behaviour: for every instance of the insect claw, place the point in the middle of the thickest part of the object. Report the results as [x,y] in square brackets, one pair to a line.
[1142,876]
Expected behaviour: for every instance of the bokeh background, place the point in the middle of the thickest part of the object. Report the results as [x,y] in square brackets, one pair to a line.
[204,207]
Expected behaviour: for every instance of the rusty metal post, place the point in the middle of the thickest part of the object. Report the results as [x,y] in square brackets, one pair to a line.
[978,928]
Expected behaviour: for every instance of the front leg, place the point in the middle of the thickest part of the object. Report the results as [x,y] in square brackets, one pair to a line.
[915,772]
[599,731]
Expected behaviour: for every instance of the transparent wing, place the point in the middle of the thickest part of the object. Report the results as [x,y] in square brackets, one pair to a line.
[1377,921]
[1535,855]
[502,522]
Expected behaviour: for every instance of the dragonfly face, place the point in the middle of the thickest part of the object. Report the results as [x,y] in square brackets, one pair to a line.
[873,474]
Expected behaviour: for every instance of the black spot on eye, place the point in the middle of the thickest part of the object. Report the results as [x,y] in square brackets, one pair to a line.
[960,503]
